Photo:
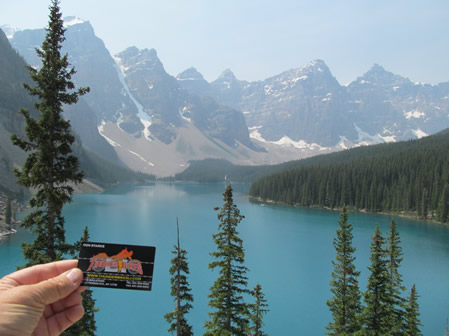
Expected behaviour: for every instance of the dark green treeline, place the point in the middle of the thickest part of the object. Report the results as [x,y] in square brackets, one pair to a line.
[410,176]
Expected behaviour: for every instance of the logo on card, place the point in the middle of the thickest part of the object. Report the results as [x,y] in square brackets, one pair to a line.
[119,263]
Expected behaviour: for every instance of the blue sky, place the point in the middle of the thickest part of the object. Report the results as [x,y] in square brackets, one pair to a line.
[259,39]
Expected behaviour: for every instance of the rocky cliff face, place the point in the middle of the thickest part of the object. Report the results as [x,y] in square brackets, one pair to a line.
[395,109]
[309,105]
[169,106]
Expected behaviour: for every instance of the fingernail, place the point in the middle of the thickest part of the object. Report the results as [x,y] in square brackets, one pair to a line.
[74,276]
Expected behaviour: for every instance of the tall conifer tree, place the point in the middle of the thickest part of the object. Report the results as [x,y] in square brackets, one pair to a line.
[230,315]
[49,169]
[8,213]
[180,291]
[345,303]
[257,311]
[443,205]
[377,313]
[395,287]
[412,322]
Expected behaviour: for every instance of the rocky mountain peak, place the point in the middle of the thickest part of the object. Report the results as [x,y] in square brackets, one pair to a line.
[377,75]
[317,66]
[313,74]
[145,58]
[227,75]
[190,74]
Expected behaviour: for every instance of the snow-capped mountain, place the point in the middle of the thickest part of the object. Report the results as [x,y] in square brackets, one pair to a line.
[169,106]
[142,113]
[153,122]
[307,106]
[394,108]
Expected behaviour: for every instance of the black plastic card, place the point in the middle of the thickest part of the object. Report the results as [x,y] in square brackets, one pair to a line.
[117,265]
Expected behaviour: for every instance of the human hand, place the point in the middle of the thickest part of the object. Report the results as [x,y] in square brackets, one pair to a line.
[41,300]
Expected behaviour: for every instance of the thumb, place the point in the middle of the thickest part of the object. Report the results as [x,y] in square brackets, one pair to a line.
[57,288]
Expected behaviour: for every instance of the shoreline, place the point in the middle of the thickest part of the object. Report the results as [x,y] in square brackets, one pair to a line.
[85,187]
[402,214]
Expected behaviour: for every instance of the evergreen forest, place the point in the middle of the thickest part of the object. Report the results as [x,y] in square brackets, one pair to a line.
[410,177]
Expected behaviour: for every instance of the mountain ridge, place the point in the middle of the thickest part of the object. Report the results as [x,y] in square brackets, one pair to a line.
[298,113]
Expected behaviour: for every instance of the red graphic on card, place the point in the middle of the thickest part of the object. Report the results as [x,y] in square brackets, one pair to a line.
[119,263]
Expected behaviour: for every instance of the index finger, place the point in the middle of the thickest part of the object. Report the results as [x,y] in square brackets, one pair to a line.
[38,273]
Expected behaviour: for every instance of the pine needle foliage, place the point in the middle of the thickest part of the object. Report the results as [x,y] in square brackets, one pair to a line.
[49,169]
[230,315]
[377,312]
[412,321]
[181,292]
[257,311]
[395,287]
[345,304]
[8,213]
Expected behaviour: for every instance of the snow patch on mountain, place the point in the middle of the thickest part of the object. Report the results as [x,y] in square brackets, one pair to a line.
[182,112]
[254,133]
[414,114]
[109,140]
[362,81]
[363,136]
[344,143]
[145,119]
[387,138]
[146,131]
[419,133]
[72,20]
[315,64]
[141,157]
[268,89]
[285,141]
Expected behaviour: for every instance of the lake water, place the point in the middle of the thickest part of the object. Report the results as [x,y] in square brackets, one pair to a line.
[288,251]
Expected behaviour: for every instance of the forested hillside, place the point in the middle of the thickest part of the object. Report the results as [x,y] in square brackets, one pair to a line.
[409,176]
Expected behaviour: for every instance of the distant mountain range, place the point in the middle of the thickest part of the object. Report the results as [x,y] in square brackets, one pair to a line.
[308,105]
[139,115]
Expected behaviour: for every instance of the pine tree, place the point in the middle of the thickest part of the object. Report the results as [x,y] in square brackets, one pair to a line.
[86,326]
[345,304]
[231,312]
[443,205]
[257,311]
[8,213]
[376,314]
[412,322]
[49,169]
[180,291]
[395,288]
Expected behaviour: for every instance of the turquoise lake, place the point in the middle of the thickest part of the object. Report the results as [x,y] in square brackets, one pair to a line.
[288,251]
